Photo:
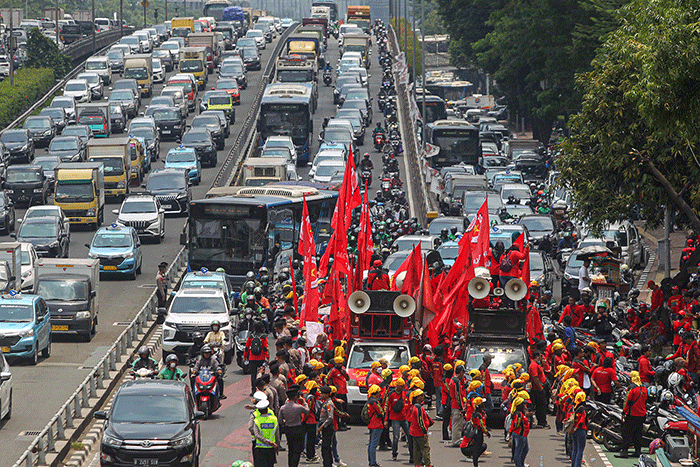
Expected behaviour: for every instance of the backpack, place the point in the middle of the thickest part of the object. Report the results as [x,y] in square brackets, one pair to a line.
[398,405]
[505,263]
[256,346]
[364,415]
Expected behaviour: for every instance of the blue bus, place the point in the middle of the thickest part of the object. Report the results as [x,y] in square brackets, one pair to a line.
[242,229]
[286,110]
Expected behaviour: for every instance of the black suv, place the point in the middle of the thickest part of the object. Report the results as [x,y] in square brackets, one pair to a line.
[201,141]
[27,183]
[171,188]
[151,422]
[42,128]
[49,235]
[19,143]
[170,122]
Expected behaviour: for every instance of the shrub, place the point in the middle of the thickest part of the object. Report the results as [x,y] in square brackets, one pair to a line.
[30,85]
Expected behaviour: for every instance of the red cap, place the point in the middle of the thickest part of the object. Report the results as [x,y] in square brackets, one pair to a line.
[650,284]
[689,241]
[377,262]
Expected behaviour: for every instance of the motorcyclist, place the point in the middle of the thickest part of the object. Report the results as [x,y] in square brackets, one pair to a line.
[208,360]
[396,181]
[565,242]
[327,68]
[545,244]
[171,371]
[215,338]
[197,343]
[444,235]
[366,163]
[454,233]
[248,292]
[393,164]
[144,360]
[401,199]
[378,130]
[247,323]
[380,197]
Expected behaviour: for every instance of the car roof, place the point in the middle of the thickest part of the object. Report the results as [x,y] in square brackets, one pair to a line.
[200,292]
[114,228]
[22,299]
[143,387]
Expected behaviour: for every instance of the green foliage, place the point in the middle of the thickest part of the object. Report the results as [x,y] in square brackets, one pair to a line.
[642,95]
[42,52]
[406,26]
[30,85]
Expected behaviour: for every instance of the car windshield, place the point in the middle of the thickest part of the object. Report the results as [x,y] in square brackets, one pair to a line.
[448,252]
[180,156]
[393,262]
[232,69]
[16,176]
[68,192]
[337,134]
[174,93]
[112,240]
[364,355]
[122,95]
[13,137]
[502,357]
[149,408]
[520,193]
[138,207]
[191,66]
[171,46]
[204,305]
[90,78]
[183,84]
[195,137]
[324,170]
[48,163]
[227,84]
[144,132]
[38,230]
[165,114]
[536,261]
[75,131]
[355,104]
[36,123]
[495,162]
[16,313]
[112,165]
[115,54]
[250,53]
[69,291]
[246,42]
[63,145]
[194,282]
[204,120]
[254,33]
[165,182]
[76,87]
[220,100]
[56,114]
[537,224]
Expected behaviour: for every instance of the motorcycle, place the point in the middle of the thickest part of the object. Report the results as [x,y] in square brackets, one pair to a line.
[206,392]
[240,340]
[379,141]
[144,373]
[366,176]
[327,77]
[385,186]
[658,423]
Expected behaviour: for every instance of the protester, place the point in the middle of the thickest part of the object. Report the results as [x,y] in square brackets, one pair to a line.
[634,412]
[474,445]
[419,423]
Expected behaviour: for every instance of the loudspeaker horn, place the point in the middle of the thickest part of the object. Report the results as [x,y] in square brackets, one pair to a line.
[358,302]
[479,288]
[498,291]
[399,280]
[516,289]
[404,305]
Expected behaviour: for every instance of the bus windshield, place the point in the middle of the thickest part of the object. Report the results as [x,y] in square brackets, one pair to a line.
[455,146]
[233,240]
[285,120]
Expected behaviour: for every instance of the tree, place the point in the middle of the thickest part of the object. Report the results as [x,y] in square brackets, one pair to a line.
[634,145]
[406,29]
[42,52]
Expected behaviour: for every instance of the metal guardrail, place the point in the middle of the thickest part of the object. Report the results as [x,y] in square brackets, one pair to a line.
[95,384]
[76,51]
[231,168]
[421,202]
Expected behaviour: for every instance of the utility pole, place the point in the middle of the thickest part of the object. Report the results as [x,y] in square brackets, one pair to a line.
[404,24]
[144,3]
[121,18]
[11,47]
[422,50]
[413,20]
[94,45]
[166,11]
[58,28]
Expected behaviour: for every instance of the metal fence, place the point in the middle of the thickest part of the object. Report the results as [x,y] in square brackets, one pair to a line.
[421,199]
[54,439]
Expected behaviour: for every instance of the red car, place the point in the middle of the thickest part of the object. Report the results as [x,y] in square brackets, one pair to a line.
[231,87]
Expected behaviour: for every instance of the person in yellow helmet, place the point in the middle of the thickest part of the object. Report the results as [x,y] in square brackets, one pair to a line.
[398,408]
[519,429]
[580,428]
[419,423]
[376,422]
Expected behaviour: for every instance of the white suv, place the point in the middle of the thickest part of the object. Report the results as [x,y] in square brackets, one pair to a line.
[193,310]
[144,213]
[5,389]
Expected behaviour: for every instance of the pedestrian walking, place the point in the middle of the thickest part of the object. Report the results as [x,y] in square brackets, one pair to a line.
[399,409]
[338,377]
[457,400]
[580,429]
[419,423]
[537,394]
[162,285]
[266,433]
[446,401]
[634,412]
[519,429]
[486,380]
[376,423]
[291,419]
[310,422]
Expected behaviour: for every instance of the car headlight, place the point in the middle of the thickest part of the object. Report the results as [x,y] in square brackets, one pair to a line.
[53,244]
[567,276]
[82,315]
[90,212]
[47,133]
[37,190]
[129,255]
[25,148]
[121,184]
[75,158]
[26,333]
[181,195]
[92,255]
[112,441]
[209,148]
[155,221]
[10,191]
[182,442]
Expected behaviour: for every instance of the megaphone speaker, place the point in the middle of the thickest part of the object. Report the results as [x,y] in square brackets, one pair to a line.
[478,288]
[516,289]
[358,302]
[404,305]
[399,279]
[498,291]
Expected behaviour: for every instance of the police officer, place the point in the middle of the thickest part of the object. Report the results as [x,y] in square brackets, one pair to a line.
[162,285]
[266,435]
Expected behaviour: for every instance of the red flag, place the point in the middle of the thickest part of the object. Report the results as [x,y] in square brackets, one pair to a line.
[364,244]
[478,230]
[307,248]
[412,281]
[294,285]
[457,275]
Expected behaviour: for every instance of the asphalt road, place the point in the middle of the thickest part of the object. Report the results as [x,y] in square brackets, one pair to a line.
[38,392]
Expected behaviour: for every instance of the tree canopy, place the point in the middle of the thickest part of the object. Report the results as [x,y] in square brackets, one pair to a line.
[42,52]
[641,102]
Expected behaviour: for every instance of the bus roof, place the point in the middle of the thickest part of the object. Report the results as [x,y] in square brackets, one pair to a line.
[285,92]
[451,124]
[269,194]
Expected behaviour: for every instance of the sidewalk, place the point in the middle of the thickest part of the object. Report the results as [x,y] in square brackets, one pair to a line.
[651,238]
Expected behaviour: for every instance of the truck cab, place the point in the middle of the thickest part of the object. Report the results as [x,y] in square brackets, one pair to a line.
[80,192]
[114,154]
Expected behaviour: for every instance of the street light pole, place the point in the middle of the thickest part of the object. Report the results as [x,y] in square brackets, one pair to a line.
[121,18]
[12,55]
[413,20]
[94,45]
[166,11]
[422,50]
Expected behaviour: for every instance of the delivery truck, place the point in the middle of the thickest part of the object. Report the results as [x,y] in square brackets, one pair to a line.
[12,253]
[96,116]
[194,60]
[80,192]
[50,13]
[71,290]
[182,27]
[206,39]
[140,68]
[114,154]
[17,16]
[82,15]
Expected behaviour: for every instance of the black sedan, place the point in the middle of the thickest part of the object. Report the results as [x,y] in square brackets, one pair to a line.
[251,58]
[169,122]
[213,124]
[171,188]
[19,143]
[42,129]
[68,148]
[201,140]
[50,236]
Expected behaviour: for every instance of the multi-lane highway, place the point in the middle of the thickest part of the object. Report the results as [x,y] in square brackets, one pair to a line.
[39,391]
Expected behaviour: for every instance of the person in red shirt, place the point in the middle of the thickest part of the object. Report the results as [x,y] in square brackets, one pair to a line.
[520,429]
[474,446]
[634,412]
[573,310]
[448,372]
[693,357]
[376,422]
[645,371]
[457,404]
[378,278]
[397,407]
[657,295]
[578,437]
[256,351]
[310,421]
[419,422]
[675,301]
[580,366]
[537,394]
[515,255]
[338,377]
[437,374]
[486,380]
[602,380]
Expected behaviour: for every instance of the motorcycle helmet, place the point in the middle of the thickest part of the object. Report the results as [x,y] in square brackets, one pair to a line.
[666,396]
[250,275]
[258,292]
[652,391]
[197,336]
[366,156]
[283,277]
[674,380]
[215,325]
[263,270]
[249,286]
[220,270]
[206,348]
[144,351]
[170,359]
[453,229]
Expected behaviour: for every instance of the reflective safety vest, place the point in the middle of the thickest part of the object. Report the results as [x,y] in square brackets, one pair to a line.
[267,424]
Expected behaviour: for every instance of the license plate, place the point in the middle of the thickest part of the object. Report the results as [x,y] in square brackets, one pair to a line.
[110,268]
[145,461]
[5,349]
[166,132]
[55,327]
[74,219]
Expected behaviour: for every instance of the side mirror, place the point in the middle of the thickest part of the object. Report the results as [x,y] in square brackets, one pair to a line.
[198,415]
[115,212]
[13,235]
[100,415]
[143,185]
[93,293]
[5,376]
[87,245]
[161,211]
